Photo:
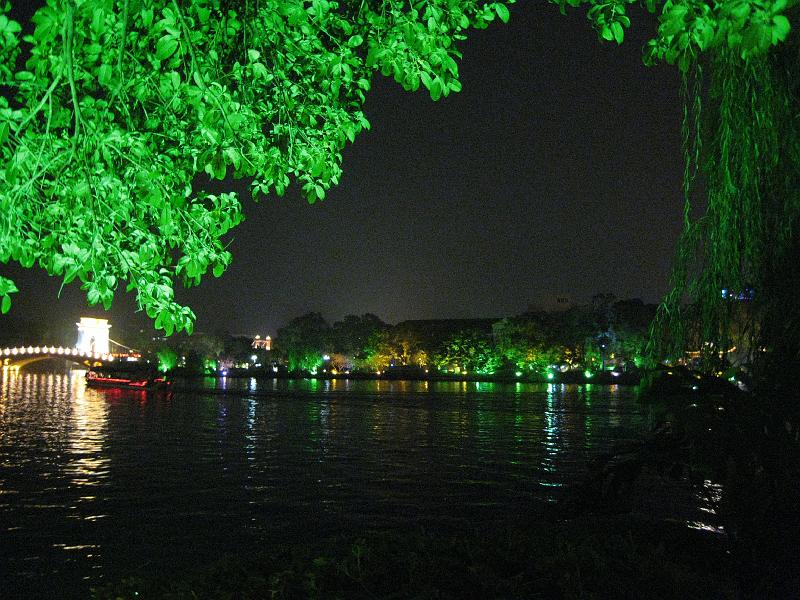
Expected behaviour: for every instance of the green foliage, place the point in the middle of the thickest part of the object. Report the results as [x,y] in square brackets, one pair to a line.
[583,337]
[303,342]
[468,351]
[7,288]
[121,108]
[747,150]
[355,336]
[744,145]
[747,27]
[167,359]
[688,28]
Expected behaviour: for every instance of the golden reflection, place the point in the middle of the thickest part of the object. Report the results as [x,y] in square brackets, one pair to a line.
[613,407]
[325,423]
[250,436]
[88,421]
[10,377]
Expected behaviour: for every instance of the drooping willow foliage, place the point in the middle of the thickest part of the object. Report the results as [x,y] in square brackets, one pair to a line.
[734,295]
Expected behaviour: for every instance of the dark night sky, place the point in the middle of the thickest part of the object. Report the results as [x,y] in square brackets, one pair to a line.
[557,169]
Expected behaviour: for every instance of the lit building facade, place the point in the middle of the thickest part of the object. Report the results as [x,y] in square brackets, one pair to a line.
[260,343]
[93,335]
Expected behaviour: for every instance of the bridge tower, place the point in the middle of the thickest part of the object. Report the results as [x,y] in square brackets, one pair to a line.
[93,335]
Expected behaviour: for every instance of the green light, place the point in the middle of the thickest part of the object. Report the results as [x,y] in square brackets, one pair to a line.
[167,359]
[588,374]
[518,373]
[550,375]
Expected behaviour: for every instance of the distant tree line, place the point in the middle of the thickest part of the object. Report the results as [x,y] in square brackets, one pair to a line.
[605,334]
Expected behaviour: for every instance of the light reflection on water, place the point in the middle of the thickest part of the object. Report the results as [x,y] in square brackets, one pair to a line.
[95,484]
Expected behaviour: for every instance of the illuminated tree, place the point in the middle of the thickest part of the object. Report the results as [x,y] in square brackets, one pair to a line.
[167,359]
[419,358]
[303,342]
[116,107]
[745,148]
[341,362]
[379,353]
[353,335]
[467,351]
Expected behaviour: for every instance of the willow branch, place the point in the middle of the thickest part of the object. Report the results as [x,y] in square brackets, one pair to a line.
[122,39]
[68,39]
[195,65]
[41,104]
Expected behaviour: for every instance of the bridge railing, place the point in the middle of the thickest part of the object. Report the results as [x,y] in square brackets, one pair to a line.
[55,351]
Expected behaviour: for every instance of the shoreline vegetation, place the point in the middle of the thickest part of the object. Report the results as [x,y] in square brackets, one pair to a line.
[603,340]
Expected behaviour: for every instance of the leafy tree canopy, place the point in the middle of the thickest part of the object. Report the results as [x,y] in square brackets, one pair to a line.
[114,108]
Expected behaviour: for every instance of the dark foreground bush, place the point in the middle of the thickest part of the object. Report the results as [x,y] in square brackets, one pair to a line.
[589,557]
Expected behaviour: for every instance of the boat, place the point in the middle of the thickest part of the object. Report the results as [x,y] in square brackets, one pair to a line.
[127,381]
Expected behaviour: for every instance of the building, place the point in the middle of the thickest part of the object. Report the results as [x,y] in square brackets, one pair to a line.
[551,303]
[260,343]
[93,335]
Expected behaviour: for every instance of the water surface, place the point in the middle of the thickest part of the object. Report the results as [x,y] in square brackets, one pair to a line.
[95,484]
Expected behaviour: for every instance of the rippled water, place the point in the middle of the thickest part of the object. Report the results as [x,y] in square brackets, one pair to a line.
[99,483]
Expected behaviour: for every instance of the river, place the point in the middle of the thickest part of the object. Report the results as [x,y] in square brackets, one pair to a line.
[99,484]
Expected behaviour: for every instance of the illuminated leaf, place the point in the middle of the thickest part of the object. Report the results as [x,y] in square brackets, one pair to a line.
[166,47]
[780,28]
[104,74]
[502,12]
[618,32]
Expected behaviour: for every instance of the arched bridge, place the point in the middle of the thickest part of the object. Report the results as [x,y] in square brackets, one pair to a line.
[22,355]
